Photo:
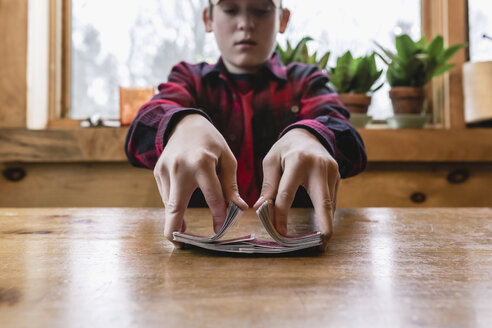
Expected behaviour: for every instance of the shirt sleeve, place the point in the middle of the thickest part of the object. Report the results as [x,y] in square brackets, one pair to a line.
[155,120]
[324,115]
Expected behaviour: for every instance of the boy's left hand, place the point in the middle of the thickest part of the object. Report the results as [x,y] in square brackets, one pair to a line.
[299,159]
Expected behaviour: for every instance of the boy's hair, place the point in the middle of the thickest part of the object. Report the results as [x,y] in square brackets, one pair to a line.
[211,7]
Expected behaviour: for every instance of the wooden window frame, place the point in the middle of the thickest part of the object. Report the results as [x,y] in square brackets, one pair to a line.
[445,95]
[448,18]
[60,73]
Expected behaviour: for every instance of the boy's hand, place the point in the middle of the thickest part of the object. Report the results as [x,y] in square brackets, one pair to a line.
[299,159]
[196,156]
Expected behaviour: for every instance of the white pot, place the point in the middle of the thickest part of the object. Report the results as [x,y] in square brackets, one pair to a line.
[477,90]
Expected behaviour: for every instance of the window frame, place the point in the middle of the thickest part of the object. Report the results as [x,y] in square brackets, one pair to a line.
[445,95]
[59,100]
[450,19]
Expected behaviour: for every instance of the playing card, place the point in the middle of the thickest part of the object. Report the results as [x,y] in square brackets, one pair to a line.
[250,244]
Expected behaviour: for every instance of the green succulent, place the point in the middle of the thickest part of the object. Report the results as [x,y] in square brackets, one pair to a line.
[355,75]
[416,63]
[300,53]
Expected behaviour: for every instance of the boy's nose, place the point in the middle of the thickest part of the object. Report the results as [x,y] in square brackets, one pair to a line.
[245,22]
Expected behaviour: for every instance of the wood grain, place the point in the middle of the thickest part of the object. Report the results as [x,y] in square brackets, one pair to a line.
[426,145]
[66,58]
[55,60]
[13,63]
[401,185]
[119,184]
[80,185]
[447,18]
[76,145]
[456,33]
[107,144]
[432,25]
[112,267]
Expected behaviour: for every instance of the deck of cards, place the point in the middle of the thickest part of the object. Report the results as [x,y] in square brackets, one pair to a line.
[250,244]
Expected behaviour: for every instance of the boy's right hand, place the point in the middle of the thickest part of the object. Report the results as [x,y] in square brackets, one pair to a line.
[196,156]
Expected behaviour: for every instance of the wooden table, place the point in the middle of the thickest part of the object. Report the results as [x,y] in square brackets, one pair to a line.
[112,268]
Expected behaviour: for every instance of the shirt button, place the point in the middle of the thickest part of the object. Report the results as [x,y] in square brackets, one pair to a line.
[232,137]
[295,109]
[234,97]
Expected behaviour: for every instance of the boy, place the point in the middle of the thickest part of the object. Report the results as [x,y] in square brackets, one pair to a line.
[248,114]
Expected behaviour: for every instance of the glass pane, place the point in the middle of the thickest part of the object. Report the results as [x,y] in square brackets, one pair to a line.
[338,26]
[480,18]
[138,43]
[131,43]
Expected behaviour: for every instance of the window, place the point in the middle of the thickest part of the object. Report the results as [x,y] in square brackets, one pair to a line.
[135,43]
[480,21]
[338,26]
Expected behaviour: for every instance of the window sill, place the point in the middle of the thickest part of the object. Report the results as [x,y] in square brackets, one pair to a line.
[63,145]
[106,145]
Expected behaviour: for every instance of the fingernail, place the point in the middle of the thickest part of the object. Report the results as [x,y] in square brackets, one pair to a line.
[259,202]
[244,204]
[218,223]
[282,229]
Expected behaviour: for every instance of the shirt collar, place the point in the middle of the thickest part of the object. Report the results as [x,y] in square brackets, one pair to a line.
[276,67]
[273,66]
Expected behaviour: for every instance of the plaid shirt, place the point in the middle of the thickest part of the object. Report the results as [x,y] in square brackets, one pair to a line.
[282,98]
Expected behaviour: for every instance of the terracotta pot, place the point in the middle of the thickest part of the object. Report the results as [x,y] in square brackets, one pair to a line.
[355,102]
[407,100]
[131,99]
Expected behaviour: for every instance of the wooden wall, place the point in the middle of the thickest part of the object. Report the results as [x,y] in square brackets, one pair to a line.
[119,184]
[88,167]
[13,63]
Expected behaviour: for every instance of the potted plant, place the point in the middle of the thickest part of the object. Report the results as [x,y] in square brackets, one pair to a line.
[300,53]
[353,79]
[411,67]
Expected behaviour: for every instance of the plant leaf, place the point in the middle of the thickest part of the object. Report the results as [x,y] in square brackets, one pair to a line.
[436,46]
[312,58]
[323,62]
[405,47]
[392,56]
[296,53]
[422,42]
[378,87]
[442,69]
[451,51]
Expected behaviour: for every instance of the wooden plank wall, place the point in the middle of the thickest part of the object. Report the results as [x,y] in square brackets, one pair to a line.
[13,63]
[107,145]
[119,184]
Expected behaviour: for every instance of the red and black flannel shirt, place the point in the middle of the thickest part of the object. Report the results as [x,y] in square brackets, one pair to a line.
[282,98]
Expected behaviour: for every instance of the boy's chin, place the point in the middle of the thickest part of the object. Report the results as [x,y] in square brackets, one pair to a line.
[244,69]
[246,66]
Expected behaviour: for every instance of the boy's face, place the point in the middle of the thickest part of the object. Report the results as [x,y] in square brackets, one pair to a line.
[245,31]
